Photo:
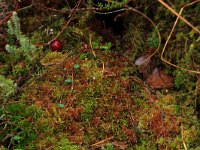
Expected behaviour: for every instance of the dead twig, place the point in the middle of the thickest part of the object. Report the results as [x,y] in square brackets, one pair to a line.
[9,14]
[67,22]
[172,30]
[101,142]
[178,14]
[154,25]
[21,101]
[182,136]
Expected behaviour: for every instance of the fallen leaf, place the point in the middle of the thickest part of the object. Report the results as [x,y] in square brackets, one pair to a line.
[159,80]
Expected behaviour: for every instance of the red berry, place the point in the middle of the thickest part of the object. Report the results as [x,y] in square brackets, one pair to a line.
[56,45]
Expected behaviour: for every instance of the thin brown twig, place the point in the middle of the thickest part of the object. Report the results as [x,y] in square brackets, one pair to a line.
[69,10]
[21,101]
[26,7]
[154,25]
[90,41]
[172,30]
[67,22]
[72,87]
[182,136]
[103,66]
[65,26]
[7,121]
[102,141]
[177,14]
[10,14]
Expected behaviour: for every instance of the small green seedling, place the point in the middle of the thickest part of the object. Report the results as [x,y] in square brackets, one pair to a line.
[68,81]
[76,66]
[61,105]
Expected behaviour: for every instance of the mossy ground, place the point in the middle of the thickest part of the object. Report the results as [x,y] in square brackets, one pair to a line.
[91,95]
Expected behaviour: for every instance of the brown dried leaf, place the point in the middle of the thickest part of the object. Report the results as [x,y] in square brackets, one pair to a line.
[159,80]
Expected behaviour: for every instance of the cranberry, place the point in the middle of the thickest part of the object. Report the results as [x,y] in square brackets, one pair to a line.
[56,45]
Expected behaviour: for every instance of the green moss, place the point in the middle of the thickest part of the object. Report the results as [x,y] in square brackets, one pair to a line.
[91,90]
[7,88]
[89,102]
[21,127]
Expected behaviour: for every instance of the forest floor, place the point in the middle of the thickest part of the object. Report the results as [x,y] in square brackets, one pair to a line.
[99,79]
